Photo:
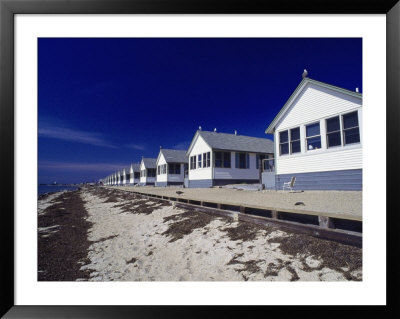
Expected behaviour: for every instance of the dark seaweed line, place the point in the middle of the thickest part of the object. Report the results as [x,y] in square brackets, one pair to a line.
[61,255]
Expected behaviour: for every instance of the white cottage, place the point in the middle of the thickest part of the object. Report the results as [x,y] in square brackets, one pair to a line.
[171,167]
[126,176]
[148,171]
[134,174]
[221,159]
[318,138]
[120,177]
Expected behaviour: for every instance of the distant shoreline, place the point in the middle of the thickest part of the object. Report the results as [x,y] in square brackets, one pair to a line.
[47,189]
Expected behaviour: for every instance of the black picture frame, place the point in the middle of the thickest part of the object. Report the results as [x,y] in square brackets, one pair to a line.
[8,8]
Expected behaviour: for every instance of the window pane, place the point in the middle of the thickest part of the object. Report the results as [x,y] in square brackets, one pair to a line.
[242,160]
[295,133]
[312,129]
[333,124]
[351,136]
[283,137]
[314,143]
[333,139]
[350,120]
[284,148]
[227,159]
[218,159]
[295,147]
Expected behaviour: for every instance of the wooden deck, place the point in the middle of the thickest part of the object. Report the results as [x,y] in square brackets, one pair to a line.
[345,228]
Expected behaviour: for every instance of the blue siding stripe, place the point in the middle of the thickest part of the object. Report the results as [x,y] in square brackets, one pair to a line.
[333,180]
[200,183]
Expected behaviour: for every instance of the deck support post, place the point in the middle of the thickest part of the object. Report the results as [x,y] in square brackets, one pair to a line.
[219,206]
[242,210]
[325,222]
[274,214]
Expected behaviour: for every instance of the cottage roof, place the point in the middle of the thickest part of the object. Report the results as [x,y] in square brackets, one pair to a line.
[174,156]
[149,162]
[233,142]
[270,129]
[135,167]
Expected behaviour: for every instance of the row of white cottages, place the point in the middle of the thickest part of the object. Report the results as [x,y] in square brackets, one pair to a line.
[317,139]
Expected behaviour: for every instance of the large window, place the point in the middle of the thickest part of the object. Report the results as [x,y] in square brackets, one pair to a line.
[313,136]
[151,172]
[295,140]
[199,160]
[137,175]
[333,135]
[283,143]
[222,159]
[289,141]
[162,169]
[206,159]
[193,162]
[351,130]
[242,160]
[174,168]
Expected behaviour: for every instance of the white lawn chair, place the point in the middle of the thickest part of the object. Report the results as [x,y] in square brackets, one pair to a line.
[290,184]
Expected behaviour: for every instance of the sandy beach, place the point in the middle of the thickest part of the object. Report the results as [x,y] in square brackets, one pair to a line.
[101,234]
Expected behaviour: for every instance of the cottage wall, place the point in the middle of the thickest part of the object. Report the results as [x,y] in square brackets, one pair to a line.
[251,173]
[313,104]
[202,173]
[162,178]
[146,180]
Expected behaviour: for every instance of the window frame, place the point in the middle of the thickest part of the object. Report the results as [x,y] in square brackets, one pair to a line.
[192,162]
[224,155]
[280,143]
[238,161]
[350,128]
[313,136]
[333,132]
[291,140]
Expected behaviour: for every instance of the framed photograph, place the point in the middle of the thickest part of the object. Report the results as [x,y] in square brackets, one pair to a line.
[42,41]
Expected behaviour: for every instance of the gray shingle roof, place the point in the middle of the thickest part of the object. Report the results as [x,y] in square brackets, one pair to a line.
[149,162]
[174,156]
[232,142]
[136,167]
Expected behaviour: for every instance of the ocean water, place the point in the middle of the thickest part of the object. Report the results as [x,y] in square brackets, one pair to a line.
[42,189]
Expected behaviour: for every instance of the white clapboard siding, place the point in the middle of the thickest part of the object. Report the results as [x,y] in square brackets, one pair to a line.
[200,147]
[316,102]
[323,161]
[161,161]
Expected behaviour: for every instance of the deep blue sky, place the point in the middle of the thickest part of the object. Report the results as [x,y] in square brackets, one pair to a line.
[103,103]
